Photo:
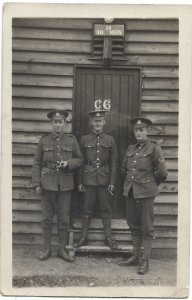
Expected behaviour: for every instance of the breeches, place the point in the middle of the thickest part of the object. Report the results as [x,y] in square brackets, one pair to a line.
[94,194]
[56,202]
[140,216]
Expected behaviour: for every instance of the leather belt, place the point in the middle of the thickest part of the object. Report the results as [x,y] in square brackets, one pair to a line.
[51,165]
[97,163]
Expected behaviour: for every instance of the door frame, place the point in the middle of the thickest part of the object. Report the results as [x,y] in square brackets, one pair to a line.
[92,66]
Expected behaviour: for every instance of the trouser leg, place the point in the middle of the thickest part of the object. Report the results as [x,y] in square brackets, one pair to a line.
[88,207]
[48,210]
[147,218]
[63,216]
[63,211]
[105,212]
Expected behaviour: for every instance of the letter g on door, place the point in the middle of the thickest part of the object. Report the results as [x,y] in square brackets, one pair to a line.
[98,104]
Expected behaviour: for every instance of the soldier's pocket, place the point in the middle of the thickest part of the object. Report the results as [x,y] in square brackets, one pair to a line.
[47,153]
[67,151]
[44,171]
[106,148]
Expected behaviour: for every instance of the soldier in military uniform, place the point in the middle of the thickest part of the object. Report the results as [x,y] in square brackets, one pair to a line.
[97,178]
[57,156]
[144,169]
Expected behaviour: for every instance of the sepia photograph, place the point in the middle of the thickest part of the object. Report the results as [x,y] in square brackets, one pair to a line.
[94,141]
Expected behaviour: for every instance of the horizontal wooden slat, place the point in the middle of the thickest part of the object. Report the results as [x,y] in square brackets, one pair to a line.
[42,92]
[31,114]
[158,94]
[170,152]
[160,83]
[29,194]
[150,48]
[30,126]
[150,36]
[125,235]
[86,35]
[42,68]
[170,141]
[166,187]
[152,25]
[62,58]
[160,72]
[20,239]
[131,24]
[39,80]
[21,137]
[34,217]
[160,117]
[163,106]
[55,23]
[27,205]
[41,103]
[163,130]
[52,34]
[51,46]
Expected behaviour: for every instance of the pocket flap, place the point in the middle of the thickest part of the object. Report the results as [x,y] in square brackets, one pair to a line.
[106,145]
[47,148]
[89,145]
[67,148]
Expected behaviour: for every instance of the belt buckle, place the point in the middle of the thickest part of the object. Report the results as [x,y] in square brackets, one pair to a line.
[98,164]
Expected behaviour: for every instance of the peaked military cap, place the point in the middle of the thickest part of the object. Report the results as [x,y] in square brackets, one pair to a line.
[141,122]
[57,114]
[98,113]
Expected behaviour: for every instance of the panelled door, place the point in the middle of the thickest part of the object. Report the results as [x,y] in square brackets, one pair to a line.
[122,87]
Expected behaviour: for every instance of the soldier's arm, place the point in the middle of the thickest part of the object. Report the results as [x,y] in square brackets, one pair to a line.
[160,169]
[114,163]
[77,159]
[124,165]
[36,170]
[79,172]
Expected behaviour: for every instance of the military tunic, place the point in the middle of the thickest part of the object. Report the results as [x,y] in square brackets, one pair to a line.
[56,184]
[99,171]
[144,169]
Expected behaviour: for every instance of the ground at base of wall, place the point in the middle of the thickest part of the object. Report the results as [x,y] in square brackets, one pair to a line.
[89,270]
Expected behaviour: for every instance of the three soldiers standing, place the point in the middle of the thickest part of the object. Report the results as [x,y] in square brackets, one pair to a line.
[143,168]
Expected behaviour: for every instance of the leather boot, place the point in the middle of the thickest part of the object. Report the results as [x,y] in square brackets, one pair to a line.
[144,266]
[47,232]
[62,253]
[112,244]
[85,228]
[135,259]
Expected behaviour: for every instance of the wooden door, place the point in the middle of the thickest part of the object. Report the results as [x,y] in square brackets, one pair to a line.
[122,87]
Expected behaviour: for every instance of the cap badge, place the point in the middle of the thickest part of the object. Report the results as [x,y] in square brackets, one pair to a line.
[139,122]
[97,114]
[57,114]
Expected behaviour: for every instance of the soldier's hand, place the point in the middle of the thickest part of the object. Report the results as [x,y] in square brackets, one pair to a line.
[111,189]
[62,165]
[81,188]
[38,190]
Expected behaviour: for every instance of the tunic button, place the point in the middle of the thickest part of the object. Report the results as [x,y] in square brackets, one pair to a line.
[57,146]
[98,151]
[57,161]
[57,153]
[137,153]
[133,169]
[97,158]
[132,177]
[134,161]
[58,139]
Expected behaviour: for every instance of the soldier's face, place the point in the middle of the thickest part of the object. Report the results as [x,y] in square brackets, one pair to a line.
[97,124]
[58,125]
[140,134]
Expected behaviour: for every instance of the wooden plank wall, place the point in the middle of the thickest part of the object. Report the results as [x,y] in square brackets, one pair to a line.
[44,54]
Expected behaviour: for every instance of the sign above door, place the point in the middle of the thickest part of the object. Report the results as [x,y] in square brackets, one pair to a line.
[109,30]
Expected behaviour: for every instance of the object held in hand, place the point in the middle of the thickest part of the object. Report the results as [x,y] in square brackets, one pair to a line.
[61,165]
